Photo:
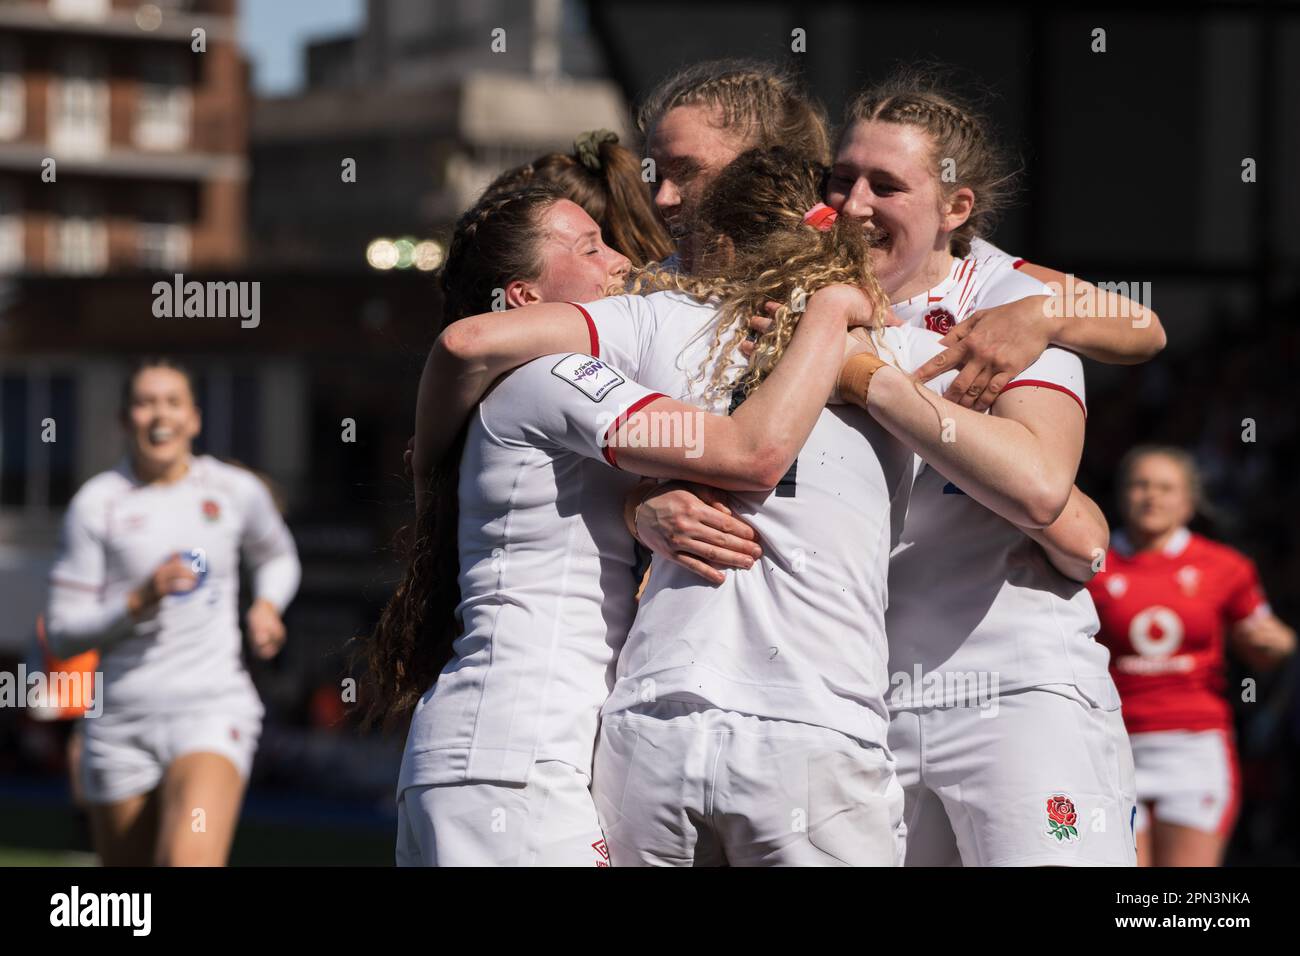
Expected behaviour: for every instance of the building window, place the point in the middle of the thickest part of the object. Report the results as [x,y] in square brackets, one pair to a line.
[79,104]
[79,237]
[163,119]
[163,246]
[163,232]
[80,9]
[11,230]
[13,94]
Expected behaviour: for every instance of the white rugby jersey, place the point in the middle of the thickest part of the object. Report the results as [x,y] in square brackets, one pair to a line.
[800,636]
[546,579]
[970,595]
[184,654]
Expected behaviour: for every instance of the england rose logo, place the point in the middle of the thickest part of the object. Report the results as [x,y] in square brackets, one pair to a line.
[1061,818]
[939,320]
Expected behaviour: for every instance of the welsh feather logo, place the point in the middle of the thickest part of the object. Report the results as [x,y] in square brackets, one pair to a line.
[1061,818]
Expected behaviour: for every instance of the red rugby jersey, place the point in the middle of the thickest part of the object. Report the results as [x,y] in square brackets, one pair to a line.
[1164,615]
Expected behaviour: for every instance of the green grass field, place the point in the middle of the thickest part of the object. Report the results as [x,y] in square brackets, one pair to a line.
[17,856]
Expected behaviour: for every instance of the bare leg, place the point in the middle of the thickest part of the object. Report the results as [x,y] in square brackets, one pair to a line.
[124,831]
[1183,846]
[200,795]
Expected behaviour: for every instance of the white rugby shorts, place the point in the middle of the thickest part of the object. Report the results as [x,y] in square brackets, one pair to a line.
[124,755]
[684,784]
[1188,778]
[549,820]
[1036,777]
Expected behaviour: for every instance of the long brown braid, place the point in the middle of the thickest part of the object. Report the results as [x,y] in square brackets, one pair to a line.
[958,132]
[494,243]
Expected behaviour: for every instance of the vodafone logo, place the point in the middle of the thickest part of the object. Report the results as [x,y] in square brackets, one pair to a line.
[1156,632]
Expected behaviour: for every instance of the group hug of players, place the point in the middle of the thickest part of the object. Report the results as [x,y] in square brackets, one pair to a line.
[847,428]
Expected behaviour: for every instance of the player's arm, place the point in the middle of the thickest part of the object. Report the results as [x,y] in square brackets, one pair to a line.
[1117,330]
[1263,640]
[1257,635]
[994,345]
[1019,462]
[751,449]
[1076,541]
[469,356]
[78,617]
[268,548]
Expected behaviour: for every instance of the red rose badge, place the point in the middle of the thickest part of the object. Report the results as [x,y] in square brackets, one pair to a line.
[1061,818]
[939,320]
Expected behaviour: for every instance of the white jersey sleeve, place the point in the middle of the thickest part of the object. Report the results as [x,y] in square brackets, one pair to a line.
[1057,369]
[622,328]
[572,402]
[77,616]
[909,348]
[1009,284]
[266,545]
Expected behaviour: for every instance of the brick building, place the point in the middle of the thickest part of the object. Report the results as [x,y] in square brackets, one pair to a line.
[123,136]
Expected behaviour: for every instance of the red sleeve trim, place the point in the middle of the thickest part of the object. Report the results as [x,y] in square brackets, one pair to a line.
[1037,383]
[591,330]
[1018,263]
[76,585]
[605,448]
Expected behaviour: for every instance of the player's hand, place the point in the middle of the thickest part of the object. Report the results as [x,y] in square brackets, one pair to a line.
[991,348]
[173,576]
[690,525]
[406,459]
[265,629]
[1264,642]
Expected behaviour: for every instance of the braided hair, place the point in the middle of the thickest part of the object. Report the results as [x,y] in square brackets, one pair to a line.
[494,243]
[761,104]
[958,132]
[603,178]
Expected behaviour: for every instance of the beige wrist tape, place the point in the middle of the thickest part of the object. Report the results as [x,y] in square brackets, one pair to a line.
[633,500]
[855,377]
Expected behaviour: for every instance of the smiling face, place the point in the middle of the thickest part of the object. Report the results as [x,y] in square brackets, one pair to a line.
[690,145]
[161,421]
[886,174]
[577,266]
[1157,497]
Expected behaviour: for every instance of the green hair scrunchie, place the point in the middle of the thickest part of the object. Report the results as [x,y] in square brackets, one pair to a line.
[587,146]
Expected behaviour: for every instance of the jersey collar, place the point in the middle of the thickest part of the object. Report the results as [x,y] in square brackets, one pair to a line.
[1175,546]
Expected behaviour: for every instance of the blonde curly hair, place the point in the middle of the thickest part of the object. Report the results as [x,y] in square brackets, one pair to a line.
[758,249]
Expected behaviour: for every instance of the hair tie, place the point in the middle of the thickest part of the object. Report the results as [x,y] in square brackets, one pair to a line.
[821,217]
[587,146]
